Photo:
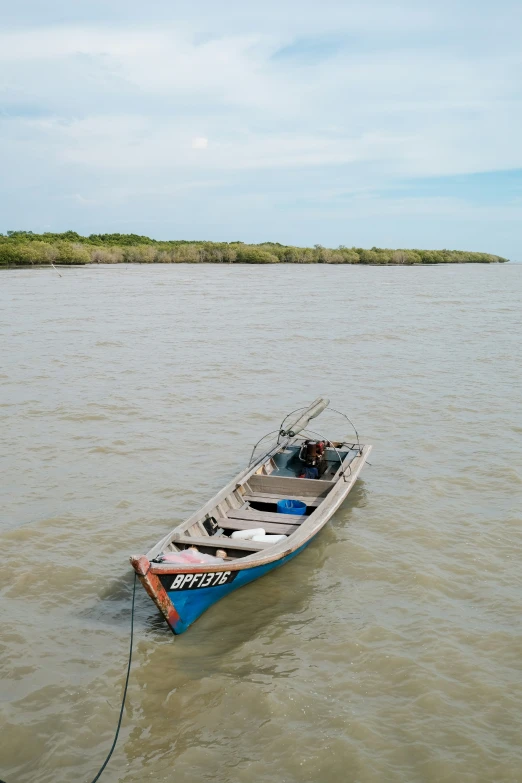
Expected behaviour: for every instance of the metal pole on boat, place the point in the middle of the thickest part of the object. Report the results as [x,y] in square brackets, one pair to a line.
[298,424]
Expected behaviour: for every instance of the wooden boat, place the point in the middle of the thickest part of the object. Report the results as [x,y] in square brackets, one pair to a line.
[199,562]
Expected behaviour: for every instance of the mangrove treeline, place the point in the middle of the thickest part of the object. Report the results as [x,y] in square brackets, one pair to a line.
[23,248]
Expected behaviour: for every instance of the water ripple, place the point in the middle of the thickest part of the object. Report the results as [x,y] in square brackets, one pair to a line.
[389,650]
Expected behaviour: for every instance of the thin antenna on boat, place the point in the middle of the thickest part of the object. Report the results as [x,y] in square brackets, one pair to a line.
[257,444]
[351,422]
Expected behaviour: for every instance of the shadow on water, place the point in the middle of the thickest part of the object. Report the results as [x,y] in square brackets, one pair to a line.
[113,604]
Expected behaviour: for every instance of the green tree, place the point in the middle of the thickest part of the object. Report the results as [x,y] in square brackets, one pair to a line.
[253,255]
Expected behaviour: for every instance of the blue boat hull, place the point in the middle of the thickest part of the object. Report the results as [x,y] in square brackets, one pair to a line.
[190,604]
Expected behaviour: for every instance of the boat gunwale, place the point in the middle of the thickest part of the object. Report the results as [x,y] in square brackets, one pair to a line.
[304,533]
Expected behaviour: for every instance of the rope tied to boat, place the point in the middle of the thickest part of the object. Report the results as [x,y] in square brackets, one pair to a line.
[124,689]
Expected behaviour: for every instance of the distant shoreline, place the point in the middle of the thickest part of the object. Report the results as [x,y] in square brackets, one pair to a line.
[93,264]
[25,249]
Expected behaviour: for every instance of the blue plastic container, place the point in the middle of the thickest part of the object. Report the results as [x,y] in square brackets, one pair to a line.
[291,507]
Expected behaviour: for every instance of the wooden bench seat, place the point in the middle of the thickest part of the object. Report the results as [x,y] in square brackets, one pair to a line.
[265,516]
[289,487]
[246,524]
[221,542]
[266,497]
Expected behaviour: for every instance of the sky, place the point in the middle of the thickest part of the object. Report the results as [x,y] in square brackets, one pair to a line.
[295,121]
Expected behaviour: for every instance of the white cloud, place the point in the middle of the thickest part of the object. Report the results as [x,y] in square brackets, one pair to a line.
[404,91]
[410,110]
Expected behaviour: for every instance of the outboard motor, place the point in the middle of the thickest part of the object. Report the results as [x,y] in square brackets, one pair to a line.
[313,456]
[311,452]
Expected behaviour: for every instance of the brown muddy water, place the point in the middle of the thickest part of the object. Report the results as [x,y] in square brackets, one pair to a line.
[390,650]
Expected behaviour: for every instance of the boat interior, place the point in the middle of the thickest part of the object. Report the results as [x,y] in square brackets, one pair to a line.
[253,503]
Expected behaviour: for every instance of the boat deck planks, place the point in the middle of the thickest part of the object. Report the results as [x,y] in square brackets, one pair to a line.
[246,524]
[221,542]
[266,497]
[265,516]
[283,484]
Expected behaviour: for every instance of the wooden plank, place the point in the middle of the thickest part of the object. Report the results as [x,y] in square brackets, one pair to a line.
[221,542]
[246,524]
[295,486]
[266,516]
[266,497]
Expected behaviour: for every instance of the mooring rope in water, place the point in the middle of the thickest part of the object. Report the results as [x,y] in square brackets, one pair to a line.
[124,690]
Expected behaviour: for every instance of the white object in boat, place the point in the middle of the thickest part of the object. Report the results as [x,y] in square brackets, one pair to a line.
[248,535]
